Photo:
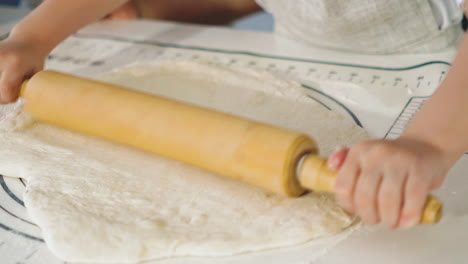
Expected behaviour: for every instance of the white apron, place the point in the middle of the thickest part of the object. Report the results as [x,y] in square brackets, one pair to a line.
[369,26]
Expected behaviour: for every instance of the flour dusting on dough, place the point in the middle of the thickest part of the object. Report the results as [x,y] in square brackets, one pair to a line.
[97,201]
[13,118]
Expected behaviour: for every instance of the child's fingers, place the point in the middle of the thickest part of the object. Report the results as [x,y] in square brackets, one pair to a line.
[10,83]
[437,182]
[390,198]
[365,196]
[415,194]
[345,183]
[336,160]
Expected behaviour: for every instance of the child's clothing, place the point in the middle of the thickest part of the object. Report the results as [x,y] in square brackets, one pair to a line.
[369,26]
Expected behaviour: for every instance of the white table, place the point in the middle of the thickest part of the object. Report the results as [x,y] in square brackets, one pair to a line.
[442,243]
[9,14]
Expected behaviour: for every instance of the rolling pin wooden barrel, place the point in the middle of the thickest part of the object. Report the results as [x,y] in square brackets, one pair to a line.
[270,157]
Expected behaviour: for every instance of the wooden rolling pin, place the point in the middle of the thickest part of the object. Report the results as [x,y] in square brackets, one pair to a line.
[276,159]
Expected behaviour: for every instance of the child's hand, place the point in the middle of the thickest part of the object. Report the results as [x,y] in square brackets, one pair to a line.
[18,61]
[387,181]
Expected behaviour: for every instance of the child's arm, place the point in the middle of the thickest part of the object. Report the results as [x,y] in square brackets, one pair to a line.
[24,51]
[388,180]
[443,121]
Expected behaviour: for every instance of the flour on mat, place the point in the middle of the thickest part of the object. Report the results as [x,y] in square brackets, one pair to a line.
[13,118]
[97,201]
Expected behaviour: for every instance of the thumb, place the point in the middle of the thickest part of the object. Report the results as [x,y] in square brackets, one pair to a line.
[10,83]
[336,160]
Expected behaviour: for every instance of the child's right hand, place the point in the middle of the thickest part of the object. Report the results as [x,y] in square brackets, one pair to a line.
[19,60]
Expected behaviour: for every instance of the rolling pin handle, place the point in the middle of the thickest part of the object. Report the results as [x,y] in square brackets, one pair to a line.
[432,211]
[314,174]
[23,88]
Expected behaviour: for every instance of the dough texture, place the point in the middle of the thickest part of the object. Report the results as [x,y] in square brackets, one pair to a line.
[97,201]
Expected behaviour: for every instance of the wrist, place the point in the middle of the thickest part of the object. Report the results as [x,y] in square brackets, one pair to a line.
[33,41]
[449,153]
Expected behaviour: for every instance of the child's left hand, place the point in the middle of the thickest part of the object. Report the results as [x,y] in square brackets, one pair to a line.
[387,181]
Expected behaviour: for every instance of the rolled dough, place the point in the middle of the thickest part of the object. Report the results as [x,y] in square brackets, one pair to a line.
[97,201]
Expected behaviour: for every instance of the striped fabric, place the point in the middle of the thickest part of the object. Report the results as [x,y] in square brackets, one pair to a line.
[368,26]
[10,2]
